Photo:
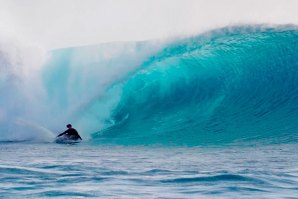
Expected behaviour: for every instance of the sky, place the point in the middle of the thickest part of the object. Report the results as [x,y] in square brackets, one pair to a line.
[62,23]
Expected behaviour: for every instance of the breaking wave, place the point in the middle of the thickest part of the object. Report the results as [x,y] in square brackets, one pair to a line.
[233,84]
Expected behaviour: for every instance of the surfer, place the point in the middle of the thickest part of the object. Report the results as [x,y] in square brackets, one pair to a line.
[71,133]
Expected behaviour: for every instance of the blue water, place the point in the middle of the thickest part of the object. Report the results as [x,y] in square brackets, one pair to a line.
[88,171]
[209,116]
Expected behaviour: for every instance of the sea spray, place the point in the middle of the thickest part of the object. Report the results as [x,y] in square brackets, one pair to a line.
[21,90]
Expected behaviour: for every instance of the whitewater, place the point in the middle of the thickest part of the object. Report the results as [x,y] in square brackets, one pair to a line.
[213,115]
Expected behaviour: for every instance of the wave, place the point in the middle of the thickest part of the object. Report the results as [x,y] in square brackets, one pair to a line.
[229,85]
[215,178]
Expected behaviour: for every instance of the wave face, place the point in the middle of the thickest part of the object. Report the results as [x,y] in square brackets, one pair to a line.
[233,84]
[228,85]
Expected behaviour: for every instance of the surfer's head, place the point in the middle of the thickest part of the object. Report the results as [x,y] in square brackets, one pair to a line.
[68,125]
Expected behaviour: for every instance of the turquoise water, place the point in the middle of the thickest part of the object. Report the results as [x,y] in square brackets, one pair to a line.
[87,171]
[223,86]
[219,87]
[209,116]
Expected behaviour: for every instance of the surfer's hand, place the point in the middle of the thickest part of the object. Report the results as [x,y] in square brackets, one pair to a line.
[59,135]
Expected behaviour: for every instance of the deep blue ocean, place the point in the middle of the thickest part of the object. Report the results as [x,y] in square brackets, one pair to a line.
[214,115]
[106,171]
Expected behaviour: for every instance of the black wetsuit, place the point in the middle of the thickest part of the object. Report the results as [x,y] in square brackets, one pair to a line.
[71,133]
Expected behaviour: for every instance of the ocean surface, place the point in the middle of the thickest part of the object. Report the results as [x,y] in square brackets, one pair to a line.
[213,115]
[90,171]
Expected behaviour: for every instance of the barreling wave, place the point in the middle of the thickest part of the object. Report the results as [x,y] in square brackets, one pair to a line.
[229,85]
[233,84]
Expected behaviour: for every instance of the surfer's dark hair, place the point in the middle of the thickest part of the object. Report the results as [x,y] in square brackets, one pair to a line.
[68,125]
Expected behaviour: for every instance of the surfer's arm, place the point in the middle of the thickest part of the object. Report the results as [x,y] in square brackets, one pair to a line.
[62,133]
[77,134]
